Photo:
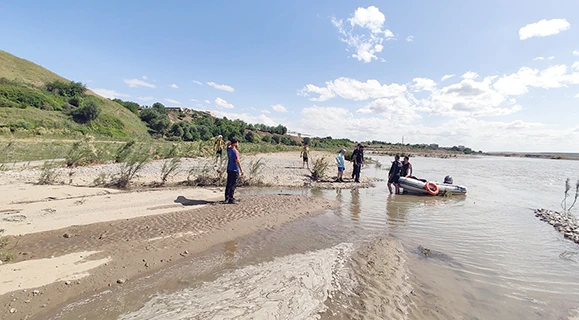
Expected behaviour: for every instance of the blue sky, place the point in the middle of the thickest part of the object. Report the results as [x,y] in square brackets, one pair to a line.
[363,70]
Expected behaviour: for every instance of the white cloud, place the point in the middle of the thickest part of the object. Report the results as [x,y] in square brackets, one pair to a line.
[265,111]
[470,75]
[174,86]
[409,38]
[575,65]
[198,82]
[194,100]
[544,28]
[397,109]
[368,38]
[538,58]
[207,101]
[479,134]
[133,83]
[577,95]
[172,101]
[144,77]
[352,89]
[223,87]
[576,52]
[520,82]
[551,57]
[109,94]
[223,104]
[146,98]
[423,84]
[446,77]
[279,108]
[370,18]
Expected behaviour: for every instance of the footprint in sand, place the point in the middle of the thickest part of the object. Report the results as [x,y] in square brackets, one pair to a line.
[15,218]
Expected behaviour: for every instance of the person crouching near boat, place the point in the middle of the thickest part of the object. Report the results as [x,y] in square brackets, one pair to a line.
[341,162]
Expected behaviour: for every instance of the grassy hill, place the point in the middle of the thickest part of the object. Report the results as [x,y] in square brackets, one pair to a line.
[29,79]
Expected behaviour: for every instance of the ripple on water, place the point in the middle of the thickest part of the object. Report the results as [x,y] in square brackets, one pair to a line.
[289,287]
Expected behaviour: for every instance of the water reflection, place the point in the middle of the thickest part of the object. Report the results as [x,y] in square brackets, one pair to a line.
[355,204]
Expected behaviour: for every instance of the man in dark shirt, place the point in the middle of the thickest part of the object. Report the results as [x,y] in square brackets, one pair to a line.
[358,159]
[394,174]
[352,159]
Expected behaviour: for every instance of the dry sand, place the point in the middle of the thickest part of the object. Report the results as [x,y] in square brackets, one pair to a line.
[280,169]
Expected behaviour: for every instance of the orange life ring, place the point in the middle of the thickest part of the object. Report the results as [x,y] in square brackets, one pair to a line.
[431,188]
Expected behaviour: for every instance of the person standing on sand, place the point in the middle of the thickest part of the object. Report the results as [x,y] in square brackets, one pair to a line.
[341,162]
[358,162]
[305,155]
[234,170]
[352,159]
[394,174]
[218,146]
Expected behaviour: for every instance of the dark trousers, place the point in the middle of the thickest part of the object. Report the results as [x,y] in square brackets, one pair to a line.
[356,173]
[232,177]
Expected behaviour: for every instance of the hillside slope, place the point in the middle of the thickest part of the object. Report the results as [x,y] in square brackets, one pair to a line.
[114,121]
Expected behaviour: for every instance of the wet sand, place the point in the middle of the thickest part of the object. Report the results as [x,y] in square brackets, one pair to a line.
[117,251]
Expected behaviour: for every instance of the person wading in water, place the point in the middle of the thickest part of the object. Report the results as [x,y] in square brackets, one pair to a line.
[406,170]
[394,174]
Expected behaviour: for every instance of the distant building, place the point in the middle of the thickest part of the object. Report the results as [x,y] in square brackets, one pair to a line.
[461,148]
[298,134]
[433,145]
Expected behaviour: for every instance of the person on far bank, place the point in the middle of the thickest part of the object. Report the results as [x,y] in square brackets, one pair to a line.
[305,155]
[218,146]
[358,159]
[234,170]
[341,162]
[394,174]
[406,169]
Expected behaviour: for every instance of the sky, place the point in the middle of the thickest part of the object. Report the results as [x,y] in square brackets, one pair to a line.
[491,75]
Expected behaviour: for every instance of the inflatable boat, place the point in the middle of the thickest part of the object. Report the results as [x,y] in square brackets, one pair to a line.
[419,186]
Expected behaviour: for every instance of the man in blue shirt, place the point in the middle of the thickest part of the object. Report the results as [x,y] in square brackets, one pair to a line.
[233,170]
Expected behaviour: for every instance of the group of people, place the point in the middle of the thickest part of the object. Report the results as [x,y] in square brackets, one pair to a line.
[234,169]
[357,159]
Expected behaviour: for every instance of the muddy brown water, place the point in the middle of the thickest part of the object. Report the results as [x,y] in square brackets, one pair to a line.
[494,259]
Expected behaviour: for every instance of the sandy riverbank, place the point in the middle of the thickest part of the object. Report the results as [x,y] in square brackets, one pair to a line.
[282,169]
[66,261]
[71,238]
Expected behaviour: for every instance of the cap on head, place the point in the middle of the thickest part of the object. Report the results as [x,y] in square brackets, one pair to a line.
[219,136]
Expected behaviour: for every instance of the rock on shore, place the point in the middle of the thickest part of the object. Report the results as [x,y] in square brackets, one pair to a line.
[565,223]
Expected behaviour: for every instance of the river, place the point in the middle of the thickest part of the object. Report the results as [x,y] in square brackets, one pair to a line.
[493,258]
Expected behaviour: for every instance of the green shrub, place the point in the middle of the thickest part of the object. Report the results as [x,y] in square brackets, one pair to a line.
[86,113]
[65,89]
